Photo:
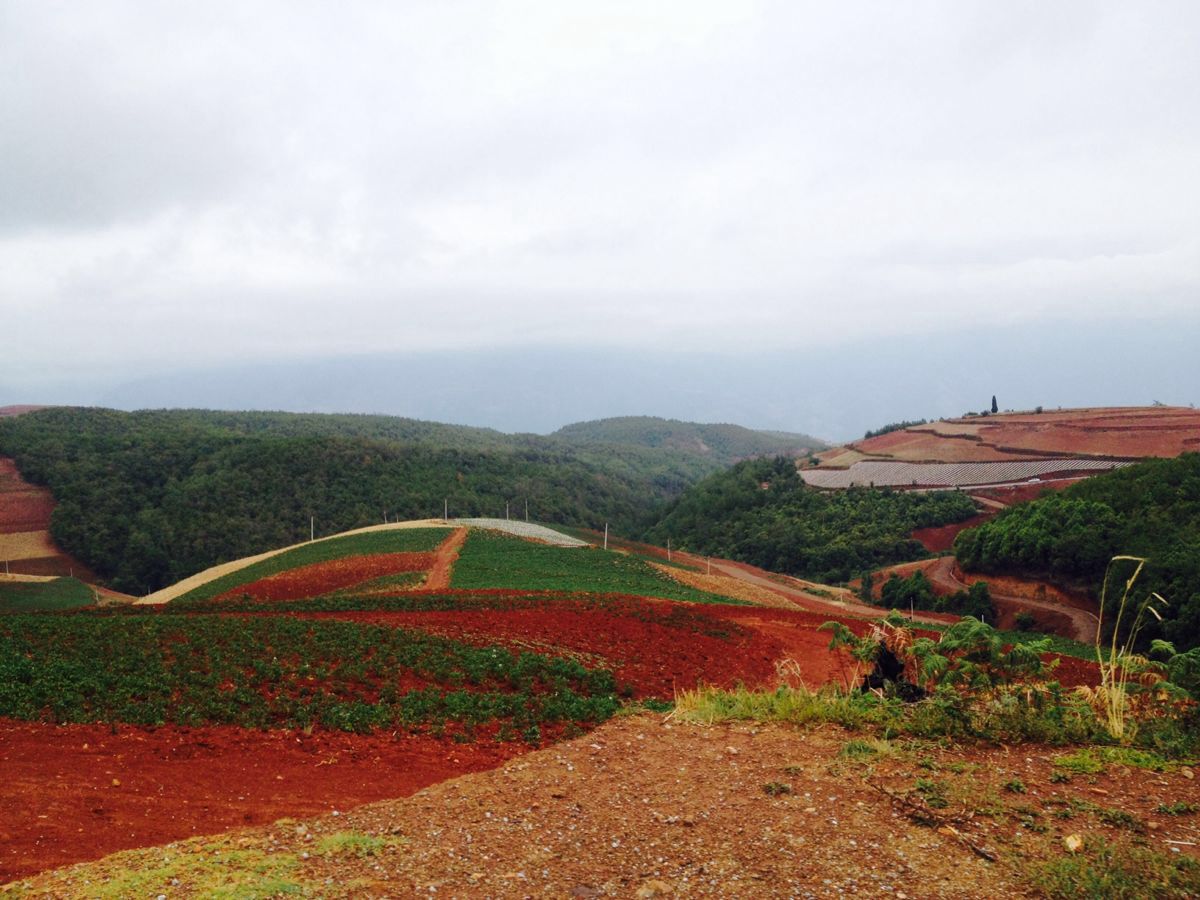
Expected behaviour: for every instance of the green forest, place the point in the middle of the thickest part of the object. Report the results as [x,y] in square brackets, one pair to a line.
[1151,509]
[150,497]
[761,512]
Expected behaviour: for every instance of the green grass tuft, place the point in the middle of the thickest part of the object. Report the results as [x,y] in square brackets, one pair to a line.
[355,843]
[1093,760]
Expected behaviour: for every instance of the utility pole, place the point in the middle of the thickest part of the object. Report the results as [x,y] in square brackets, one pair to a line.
[527,510]
[668,549]
[505,510]
[709,572]
[605,535]
[312,528]
[446,510]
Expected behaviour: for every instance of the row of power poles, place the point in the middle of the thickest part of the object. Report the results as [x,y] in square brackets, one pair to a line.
[312,530]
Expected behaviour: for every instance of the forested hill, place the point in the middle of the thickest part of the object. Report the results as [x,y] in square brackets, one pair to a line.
[723,442]
[147,498]
[761,512]
[1151,509]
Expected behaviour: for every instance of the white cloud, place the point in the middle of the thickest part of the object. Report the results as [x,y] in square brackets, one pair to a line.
[219,181]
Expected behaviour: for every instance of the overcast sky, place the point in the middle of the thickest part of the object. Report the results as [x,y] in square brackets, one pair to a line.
[209,184]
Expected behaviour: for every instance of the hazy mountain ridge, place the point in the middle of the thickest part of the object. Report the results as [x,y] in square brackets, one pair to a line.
[723,441]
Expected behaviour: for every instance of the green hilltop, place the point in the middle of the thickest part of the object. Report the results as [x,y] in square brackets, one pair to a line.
[147,498]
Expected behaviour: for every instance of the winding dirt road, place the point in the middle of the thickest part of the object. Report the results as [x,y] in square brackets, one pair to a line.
[1083,622]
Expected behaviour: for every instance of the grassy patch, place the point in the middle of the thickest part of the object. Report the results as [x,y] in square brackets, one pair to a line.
[1109,872]
[354,843]
[1093,760]
[400,540]
[796,706]
[866,750]
[213,871]
[1000,715]
[40,596]
[1180,808]
[493,560]
[1060,645]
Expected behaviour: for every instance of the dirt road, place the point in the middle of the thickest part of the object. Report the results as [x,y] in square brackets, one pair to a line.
[801,594]
[1082,622]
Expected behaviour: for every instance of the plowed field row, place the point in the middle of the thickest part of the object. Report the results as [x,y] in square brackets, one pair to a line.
[325,577]
[1134,433]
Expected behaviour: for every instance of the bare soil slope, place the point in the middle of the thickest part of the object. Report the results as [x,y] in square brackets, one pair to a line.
[643,807]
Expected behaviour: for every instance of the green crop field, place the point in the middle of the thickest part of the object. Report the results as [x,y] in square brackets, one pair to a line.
[401,540]
[493,560]
[37,596]
[146,669]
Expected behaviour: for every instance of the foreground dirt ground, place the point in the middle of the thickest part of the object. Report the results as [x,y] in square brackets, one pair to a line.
[646,807]
[75,792]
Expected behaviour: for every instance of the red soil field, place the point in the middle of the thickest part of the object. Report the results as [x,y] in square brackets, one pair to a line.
[1133,433]
[26,508]
[924,446]
[653,648]
[1072,672]
[1010,495]
[935,540]
[24,511]
[323,577]
[76,792]
[23,507]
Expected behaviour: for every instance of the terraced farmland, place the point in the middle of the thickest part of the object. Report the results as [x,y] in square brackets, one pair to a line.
[879,473]
[1125,433]
[248,698]
[312,568]
[25,542]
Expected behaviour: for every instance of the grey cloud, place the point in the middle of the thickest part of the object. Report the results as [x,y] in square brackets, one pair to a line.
[215,181]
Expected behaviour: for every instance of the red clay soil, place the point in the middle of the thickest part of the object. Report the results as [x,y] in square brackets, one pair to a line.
[1124,433]
[1072,672]
[940,539]
[444,558]
[24,508]
[653,647]
[1010,495]
[935,540]
[925,446]
[18,409]
[76,792]
[324,577]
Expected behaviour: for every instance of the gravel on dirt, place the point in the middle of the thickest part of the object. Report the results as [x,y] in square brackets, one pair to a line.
[645,807]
